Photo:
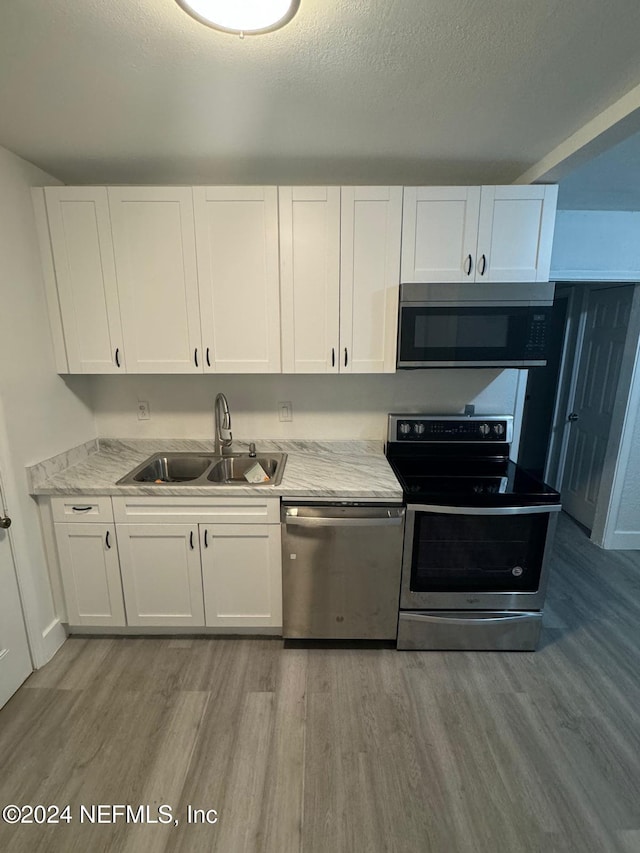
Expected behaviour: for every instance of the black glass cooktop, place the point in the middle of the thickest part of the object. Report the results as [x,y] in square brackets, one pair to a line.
[470,481]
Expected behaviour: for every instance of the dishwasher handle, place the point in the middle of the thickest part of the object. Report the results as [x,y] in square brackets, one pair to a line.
[389,517]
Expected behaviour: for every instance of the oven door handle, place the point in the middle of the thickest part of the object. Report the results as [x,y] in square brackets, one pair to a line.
[484,510]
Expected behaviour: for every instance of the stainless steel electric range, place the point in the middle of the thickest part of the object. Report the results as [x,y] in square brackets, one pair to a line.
[478,534]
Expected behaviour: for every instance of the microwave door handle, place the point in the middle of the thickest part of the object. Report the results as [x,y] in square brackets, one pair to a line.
[484,510]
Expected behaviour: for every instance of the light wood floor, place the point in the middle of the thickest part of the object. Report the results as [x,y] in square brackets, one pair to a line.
[334,750]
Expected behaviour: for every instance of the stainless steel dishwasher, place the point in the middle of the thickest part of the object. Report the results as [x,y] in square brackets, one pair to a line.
[341,566]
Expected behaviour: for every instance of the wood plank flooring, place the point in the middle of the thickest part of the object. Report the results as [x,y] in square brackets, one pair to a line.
[346,750]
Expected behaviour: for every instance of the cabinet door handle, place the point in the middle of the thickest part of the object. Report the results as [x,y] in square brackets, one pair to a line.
[333,356]
[346,357]
[117,357]
[81,508]
[208,361]
[195,356]
[206,538]
[107,541]
[191,540]
[484,265]
[468,265]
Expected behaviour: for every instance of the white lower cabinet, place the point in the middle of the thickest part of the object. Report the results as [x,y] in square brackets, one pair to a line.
[192,563]
[241,575]
[161,575]
[90,571]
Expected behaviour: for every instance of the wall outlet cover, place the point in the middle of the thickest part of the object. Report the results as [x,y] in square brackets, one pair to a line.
[144,413]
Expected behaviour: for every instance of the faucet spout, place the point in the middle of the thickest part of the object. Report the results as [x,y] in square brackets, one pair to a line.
[222,417]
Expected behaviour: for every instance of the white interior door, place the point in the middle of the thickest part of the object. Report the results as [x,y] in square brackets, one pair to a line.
[607,318]
[15,660]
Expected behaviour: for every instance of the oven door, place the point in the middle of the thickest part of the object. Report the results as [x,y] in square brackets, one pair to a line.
[480,558]
[472,336]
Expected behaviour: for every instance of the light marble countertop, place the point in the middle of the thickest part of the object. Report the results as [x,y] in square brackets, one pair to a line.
[314,469]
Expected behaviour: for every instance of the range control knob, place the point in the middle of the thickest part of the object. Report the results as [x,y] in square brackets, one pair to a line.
[404,428]
[418,428]
[498,428]
[484,429]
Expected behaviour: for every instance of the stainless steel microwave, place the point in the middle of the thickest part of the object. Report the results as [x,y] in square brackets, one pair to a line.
[474,325]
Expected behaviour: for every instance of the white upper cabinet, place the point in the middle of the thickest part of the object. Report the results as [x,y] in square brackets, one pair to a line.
[478,234]
[82,250]
[339,271]
[310,278]
[154,243]
[515,233]
[371,220]
[239,283]
[439,233]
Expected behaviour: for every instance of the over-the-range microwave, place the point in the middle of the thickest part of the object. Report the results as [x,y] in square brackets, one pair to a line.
[474,325]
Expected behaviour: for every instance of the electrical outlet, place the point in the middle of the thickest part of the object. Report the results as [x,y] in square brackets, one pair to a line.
[144,413]
[285,411]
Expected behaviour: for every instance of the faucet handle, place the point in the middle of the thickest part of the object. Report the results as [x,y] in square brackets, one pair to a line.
[252,449]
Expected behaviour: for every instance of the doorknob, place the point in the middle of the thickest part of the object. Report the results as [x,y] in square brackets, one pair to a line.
[573,417]
[5,522]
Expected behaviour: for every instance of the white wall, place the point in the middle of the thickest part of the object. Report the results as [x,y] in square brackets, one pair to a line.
[596,245]
[41,413]
[329,407]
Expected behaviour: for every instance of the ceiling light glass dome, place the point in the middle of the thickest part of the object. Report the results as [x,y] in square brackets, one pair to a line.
[242,16]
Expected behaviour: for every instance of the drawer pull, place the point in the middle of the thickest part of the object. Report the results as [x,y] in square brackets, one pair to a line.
[82,508]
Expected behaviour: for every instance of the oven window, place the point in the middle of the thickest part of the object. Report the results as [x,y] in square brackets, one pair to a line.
[477,553]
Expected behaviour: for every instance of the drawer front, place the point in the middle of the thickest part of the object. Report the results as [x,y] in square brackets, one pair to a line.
[196,510]
[469,630]
[83,508]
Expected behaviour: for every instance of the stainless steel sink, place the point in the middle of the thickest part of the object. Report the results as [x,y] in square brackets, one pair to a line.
[232,469]
[205,469]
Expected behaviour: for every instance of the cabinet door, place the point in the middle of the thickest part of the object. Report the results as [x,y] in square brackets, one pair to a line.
[371,222]
[82,250]
[310,278]
[439,234]
[155,255]
[90,573]
[242,575]
[239,279]
[161,575]
[515,234]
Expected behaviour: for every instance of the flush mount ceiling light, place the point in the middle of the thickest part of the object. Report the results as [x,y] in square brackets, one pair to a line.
[242,16]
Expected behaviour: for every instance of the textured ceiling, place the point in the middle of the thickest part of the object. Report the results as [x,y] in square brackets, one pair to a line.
[411,91]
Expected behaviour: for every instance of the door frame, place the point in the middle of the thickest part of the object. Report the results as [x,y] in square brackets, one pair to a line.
[624,414]
[26,592]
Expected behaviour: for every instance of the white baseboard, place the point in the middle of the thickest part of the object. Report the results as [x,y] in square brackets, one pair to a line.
[53,637]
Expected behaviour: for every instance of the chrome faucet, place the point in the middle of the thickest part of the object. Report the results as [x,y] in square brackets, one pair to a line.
[222,417]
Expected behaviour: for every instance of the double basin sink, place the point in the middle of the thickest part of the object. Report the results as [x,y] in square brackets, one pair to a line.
[206,469]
